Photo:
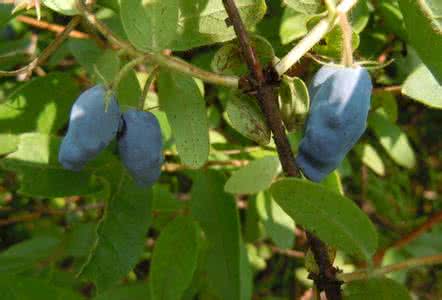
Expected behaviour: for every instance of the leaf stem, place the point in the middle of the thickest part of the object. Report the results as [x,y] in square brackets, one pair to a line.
[169,62]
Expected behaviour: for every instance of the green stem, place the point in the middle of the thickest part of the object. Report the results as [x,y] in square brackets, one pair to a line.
[147,86]
[312,38]
[408,264]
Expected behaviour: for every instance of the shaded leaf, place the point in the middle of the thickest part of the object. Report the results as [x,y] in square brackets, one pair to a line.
[171,274]
[294,101]
[23,288]
[278,225]
[127,292]
[36,162]
[394,141]
[245,116]
[121,233]
[27,254]
[229,60]
[376,288]
[217,214]
[42,105]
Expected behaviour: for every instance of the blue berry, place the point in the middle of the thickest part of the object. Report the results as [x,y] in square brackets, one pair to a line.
[140,146]
[337,119]
[91,128]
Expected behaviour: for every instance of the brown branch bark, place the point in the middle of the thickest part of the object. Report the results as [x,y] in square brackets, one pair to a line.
[408,238]
[263,82]
[51,27]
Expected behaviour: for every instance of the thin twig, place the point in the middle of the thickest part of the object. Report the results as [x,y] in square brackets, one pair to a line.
[268,101]
[46,52]
[408,238]
[30,217]
[312,38]
[408,264]
[51,27]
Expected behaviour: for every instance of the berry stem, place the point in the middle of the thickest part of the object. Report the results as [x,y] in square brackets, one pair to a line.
[347,39]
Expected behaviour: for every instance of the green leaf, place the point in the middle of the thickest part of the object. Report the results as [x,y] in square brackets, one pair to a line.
[424,27]
[121,233]
[8,143]
[136,291]
[78,239]
[217,214]
[65,7]
[294,101]
[6,13]
[172,272]
[394,141]
[36,161]
[392,18]
[423,87]
[229,60]
[305,6]
[184,105]
[129,91]
[333,43]
[359,16]
[245,116]
[42,105]
[23,288]
[181,25]
[371,158]
[334,218]
[246,274]
[293,25]
[86,53]
[255,177]
[106,67]
[333,182]
[26,255]
[387,104]
[278,225]
[376,288]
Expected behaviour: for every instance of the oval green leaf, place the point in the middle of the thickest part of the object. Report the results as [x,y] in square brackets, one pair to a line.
[174,259]
[183,102]
[393,139]
[334,218]
[424,28]
[255,177]
[422,86]
[376,288]
[182,25]
[245,116]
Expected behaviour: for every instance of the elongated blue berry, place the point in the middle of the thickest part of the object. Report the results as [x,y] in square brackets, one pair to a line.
[140,146]
[337,119]
[91,128]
